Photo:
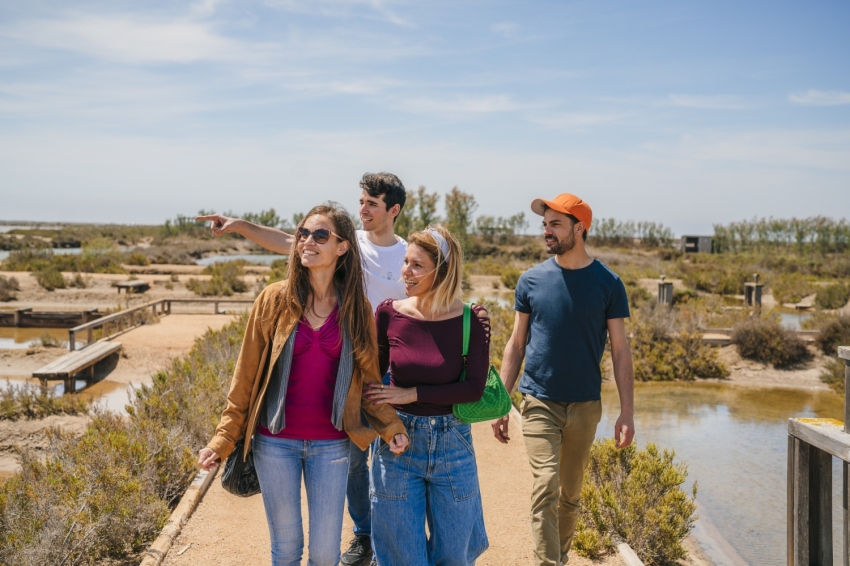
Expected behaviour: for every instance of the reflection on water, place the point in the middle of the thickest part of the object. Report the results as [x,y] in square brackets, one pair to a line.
[793,320]
[734,440]
[259,259]
[12,338]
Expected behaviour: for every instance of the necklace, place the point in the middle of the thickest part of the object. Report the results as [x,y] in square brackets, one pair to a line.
[312,310]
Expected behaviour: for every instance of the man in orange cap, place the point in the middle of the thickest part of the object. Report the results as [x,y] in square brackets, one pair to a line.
[566,308]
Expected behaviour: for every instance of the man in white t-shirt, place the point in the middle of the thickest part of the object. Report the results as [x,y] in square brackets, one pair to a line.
[382,197]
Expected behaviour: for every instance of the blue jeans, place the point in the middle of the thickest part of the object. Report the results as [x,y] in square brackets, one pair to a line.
[359,507]
[435,480]
[280,463]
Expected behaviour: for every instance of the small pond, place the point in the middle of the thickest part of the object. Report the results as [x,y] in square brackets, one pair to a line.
[734,441]
[257,259]
[12,338]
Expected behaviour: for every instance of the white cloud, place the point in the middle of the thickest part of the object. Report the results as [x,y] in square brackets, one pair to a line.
[569,120]
[706,102]
[821,98]
[463,105]
[505,29]
[134,39]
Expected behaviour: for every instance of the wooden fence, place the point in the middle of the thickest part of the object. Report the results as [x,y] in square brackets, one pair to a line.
[812,443]
[116,323]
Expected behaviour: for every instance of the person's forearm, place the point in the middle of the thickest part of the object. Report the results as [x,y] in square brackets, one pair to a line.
[511,363]
[624,376]
[270,238]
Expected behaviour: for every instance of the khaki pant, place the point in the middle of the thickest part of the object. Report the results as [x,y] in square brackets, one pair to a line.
[558,438]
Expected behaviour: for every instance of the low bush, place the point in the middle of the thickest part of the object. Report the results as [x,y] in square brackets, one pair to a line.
[226,279]
[637,496]
[791,288]
[833,296]
[50,279]
[833,374]
[79,281]
[510,277]
[834,332]
[765,340]
[662,350]
[723,280]
[103,497]
[637,295]
[46,341]
[137,258]
[8,287]
[101,257]
[683,296]
[279,271]
[27,401]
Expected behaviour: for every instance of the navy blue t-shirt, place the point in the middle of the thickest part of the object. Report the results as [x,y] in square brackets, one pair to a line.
[569,310]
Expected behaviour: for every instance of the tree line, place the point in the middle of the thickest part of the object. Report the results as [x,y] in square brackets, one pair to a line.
[816,234]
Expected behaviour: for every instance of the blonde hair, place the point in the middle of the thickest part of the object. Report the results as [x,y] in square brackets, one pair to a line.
[449,269]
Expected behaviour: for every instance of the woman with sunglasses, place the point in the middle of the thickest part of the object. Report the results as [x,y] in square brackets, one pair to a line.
[308,351]
[420,339]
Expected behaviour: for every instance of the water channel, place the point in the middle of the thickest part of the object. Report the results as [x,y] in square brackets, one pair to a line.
[734,441]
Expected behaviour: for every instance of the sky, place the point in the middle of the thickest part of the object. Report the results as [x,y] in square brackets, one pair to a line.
[684,113]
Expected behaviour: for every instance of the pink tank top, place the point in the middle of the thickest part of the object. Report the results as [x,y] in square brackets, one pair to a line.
[312,378]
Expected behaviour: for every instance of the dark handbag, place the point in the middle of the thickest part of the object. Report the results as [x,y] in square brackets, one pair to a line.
[495,403]
[239,476]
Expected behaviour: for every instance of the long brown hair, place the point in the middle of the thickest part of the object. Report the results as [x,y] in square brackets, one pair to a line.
[449,270]
[354,311]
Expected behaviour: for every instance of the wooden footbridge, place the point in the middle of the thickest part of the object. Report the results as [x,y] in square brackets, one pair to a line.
[812,443]
[69,366]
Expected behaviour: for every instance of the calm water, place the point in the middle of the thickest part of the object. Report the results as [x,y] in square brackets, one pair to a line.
[734,440]
[17,338]
[258,259]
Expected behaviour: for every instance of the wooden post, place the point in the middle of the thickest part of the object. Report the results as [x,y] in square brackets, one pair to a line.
[665,292]
[811,512]
[790,523]
[216,309]
[18,318]
[70,385]
[71,340]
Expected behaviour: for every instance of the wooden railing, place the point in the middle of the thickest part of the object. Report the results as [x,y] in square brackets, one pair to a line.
[116,323]
[812,443]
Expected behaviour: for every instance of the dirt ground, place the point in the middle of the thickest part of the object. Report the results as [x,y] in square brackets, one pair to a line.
[145,350]
[227,531]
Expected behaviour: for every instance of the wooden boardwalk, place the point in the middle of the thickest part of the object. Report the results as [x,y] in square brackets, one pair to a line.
[71,364]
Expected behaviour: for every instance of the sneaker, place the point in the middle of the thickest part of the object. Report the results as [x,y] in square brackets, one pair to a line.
[359,552]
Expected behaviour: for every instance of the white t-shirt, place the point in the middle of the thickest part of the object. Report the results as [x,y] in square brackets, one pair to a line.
[382,269]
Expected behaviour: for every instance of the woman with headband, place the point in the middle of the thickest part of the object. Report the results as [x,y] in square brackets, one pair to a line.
[420,339]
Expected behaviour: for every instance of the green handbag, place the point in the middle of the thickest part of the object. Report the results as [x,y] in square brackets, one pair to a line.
[495,403]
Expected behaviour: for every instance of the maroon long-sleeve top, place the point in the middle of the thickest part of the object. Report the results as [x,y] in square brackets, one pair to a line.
[428,355]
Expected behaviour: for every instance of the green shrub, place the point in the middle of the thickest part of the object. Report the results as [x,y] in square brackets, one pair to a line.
[278,272]
[834,332]
[103,497]
[791,288]
[763,339]
[833,374]
[8,287]
[712,278]
[100,257]
[27,401]
[46,340]
[226,279]
[79,281]
[50,279]
[137,258]
[683,296]
[637,496]
[510,277]
[637,295]
[663,352]
[833,296]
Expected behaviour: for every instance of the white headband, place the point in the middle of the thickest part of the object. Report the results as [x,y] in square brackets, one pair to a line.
[441,242]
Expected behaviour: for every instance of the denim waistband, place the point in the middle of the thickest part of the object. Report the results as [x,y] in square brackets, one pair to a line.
[438,421]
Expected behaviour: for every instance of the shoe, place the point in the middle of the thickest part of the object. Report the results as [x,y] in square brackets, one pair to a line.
[359,552]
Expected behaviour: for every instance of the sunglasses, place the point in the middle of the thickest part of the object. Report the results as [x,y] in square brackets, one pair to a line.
[320,235]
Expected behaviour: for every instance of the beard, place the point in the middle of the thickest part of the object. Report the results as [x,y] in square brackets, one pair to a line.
[558,247]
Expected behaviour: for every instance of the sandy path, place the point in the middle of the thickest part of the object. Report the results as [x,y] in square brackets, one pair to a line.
[226,530]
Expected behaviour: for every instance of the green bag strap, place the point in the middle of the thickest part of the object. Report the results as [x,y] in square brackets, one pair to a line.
[467,315]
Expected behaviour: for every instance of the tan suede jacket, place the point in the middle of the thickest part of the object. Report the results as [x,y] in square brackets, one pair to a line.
[269,326]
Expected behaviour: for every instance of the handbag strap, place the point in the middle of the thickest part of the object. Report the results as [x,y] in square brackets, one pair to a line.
[467,315]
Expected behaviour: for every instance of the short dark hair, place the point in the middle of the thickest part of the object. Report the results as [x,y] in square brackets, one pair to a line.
[387,184]
[572,218]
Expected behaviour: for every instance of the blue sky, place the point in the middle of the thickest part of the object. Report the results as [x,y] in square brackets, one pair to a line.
[678,112]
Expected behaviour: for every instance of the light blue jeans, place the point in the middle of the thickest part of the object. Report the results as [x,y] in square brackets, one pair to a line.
[435,480]
[280,463]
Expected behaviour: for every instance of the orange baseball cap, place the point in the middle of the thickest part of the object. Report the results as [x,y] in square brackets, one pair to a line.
[568,204]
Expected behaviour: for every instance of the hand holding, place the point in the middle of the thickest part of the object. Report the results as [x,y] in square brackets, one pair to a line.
[500,429]
[380,394]
[399,443]
[207,459]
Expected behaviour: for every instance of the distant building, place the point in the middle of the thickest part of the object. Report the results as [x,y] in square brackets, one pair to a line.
[701,244]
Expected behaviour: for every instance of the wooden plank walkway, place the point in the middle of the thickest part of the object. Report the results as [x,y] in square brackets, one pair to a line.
[72,363]
[132,286]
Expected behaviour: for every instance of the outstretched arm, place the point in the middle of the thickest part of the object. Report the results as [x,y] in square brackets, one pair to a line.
[270,238]
[511,362]
[624,375]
